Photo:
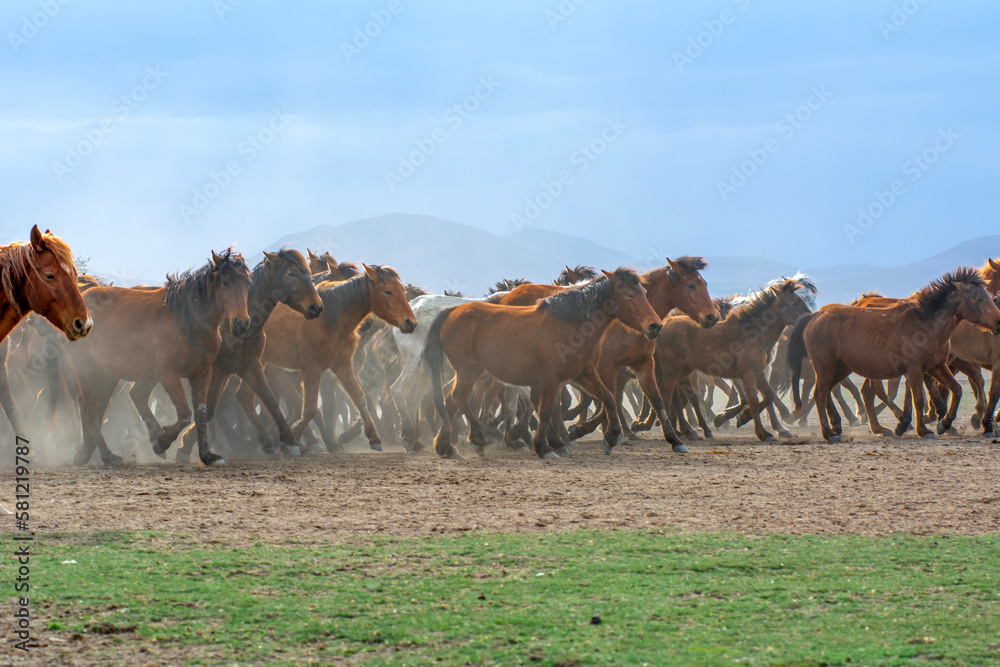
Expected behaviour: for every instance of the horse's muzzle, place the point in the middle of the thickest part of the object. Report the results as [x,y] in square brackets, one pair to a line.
[79,327]
[408,326]
[996,329]
[240,327]
[708,321]
[653,330]
[313,311]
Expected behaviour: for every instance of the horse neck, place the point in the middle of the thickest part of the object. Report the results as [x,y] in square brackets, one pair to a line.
[661,290]
[767,333]
[260,299]
[351,311]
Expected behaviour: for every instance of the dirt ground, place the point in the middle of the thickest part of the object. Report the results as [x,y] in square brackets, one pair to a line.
[864,486]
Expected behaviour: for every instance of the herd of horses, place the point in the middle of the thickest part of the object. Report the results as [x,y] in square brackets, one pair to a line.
[527,364]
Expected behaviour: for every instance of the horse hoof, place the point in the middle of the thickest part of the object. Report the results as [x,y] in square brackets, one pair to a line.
[709,435]
[768,438]
[680,449]
[291,450]
[213,460]
[976,422]
[606,447]
[621,439]
[833,439]
[115,462]
[785,434]
[571,443]
[78,460]
[571,431]
[376,446]
[941,428]
[161,454]
[562,451]
[550,455]
[988,434]
[929,436]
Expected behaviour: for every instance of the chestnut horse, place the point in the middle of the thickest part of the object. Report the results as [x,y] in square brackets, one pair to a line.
[158,335]
[677,285]
[542,346]
[282,277]
[329,342]
[40,276]
[739,347]
[910,339]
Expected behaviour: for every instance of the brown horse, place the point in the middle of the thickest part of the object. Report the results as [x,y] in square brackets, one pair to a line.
[329,342]
[40,276]
[282,277]
[739,347]
[677,285]
[542,346]
[910,339]
[160,335]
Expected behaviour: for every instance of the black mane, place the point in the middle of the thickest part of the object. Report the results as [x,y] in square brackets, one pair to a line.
[584,273]
[931,299]
[580,303]
[351,292]
[691,264]
[189,294]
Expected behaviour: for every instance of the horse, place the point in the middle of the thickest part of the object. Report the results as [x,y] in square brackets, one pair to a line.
[282,277]
[739,347]
[910,338]
[329,342]
[542,346]
[575,275]
[677,285]
[40,276]
[162,335]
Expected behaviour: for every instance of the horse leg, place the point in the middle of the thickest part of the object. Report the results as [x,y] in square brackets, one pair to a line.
[6,400]
[975,375]
[772,416]
[140,393]
[750,386]
[645,372]
[887,396]
[172,384]
[253,377]
[861,414]
[906,413]
[592,384]
[839,397]
[991,403]
[95,398]
[916,381]
[868,399]
[246,401]
[200,383]
[936,405]
[349,381]
[943,375]
[821,396]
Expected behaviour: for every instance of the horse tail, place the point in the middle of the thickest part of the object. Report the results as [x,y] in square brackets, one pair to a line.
[433,356]
[797,354]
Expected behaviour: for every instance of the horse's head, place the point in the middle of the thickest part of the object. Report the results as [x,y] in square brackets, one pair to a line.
[628,298]
[388,298]
[991,275]
[231,282]
[794,297]
[292,282]
[51,288]
[977,306]
[690,291]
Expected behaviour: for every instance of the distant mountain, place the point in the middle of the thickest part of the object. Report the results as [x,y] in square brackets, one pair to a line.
[439,254]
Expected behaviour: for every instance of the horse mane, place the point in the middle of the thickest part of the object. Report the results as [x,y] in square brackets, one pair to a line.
[17,258]
[349,269]
[931,299]
[581,270]
[870,294]
[188,293]
[507,284]
[755,305]
[578,304]
[345,295]
[725,305]
[691,264]
[457,293]
[258,274]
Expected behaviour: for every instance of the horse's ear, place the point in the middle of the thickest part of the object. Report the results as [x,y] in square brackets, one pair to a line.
[37,240]
[311,255]
[270,256]
[372,273]
[609,276]
[994,264]
[328,258]
[216,261]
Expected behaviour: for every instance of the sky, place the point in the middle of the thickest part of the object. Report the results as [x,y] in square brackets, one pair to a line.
[148,134]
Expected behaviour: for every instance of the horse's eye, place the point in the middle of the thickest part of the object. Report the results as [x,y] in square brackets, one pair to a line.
[691,285]
[388,292]
[49,276]
[225,283]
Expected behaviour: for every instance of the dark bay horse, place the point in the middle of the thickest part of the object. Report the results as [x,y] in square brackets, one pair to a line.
[40,276]
[282,277]
[162,335]
[739,347]
[543,347]
[910,339]
[329,342]
[677,285]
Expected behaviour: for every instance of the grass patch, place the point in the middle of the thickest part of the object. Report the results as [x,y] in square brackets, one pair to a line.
[531,599]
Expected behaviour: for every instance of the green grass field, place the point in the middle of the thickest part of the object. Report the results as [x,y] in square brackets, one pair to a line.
[662,599]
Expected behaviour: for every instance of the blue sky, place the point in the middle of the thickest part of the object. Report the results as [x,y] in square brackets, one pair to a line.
[147,134]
